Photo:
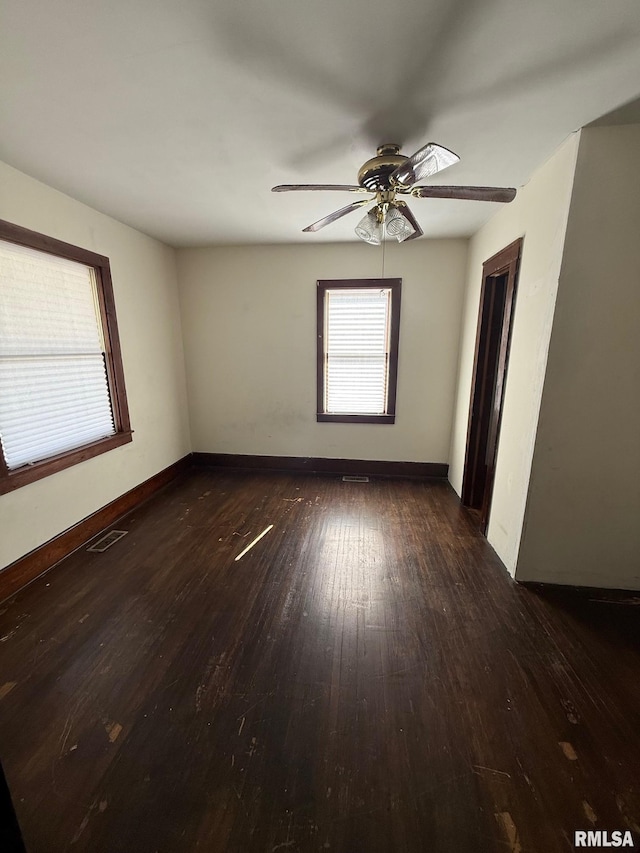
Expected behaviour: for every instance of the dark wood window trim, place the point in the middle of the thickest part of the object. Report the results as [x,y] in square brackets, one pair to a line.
[393,284]
[10,480]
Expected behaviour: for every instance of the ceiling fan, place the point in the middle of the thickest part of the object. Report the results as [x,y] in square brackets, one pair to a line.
[388,175]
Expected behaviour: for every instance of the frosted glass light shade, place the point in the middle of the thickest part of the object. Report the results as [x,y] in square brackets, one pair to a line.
[398,225]
[369,229]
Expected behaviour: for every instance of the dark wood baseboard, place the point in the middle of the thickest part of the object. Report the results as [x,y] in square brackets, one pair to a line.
[315,465]
[617,595]
[41,559]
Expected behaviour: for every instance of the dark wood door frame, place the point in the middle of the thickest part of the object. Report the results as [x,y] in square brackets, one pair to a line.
[493,336]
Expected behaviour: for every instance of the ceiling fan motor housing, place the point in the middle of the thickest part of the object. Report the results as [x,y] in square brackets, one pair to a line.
[375,173]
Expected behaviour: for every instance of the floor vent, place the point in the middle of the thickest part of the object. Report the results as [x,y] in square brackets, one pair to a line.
[108,540]
[354,478]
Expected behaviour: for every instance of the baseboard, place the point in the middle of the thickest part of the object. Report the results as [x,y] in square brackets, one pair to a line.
[596,588]
[18,574]
[315,465]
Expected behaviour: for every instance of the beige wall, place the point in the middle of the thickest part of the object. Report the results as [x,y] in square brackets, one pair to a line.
[583,514]
[144,280]
[249,320]
[539,215]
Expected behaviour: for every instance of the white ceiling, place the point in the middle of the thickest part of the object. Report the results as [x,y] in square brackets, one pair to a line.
[177,116]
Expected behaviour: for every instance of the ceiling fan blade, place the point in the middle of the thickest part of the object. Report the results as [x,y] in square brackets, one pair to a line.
[347,188]
[502,194]
[414,222]
[327,220]
[427,161]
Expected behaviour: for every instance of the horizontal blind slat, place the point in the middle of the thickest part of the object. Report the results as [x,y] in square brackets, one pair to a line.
[52,448]
[47,303]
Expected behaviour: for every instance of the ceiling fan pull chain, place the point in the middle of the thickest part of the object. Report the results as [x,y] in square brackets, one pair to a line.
[384,245]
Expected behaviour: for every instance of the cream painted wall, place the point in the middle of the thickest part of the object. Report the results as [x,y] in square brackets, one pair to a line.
[144,280]
[249,320]
[583,513]
[539,215]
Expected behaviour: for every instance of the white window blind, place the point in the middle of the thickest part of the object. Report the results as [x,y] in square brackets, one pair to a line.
[357,351]
[54,394]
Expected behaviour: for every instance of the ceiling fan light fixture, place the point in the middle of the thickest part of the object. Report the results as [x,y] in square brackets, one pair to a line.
[387,176]
[398,225]
[370,229]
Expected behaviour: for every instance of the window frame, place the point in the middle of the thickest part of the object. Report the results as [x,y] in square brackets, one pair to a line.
[29,473]
[393,284]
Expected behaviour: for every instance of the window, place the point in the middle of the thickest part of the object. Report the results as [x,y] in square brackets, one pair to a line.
[358,329]
[62,396]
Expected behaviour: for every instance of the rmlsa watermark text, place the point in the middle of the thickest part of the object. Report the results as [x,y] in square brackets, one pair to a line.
[599,838]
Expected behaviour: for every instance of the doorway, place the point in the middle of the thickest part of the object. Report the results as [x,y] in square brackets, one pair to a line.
[497,300]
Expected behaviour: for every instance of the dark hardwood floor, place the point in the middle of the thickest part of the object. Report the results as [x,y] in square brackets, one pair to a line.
[366,679]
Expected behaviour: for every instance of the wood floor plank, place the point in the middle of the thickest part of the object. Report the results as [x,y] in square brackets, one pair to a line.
[366,678]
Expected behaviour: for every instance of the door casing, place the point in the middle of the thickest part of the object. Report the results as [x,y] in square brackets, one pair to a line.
[491,356]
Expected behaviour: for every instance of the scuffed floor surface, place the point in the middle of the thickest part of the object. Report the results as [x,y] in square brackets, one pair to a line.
[365,679]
